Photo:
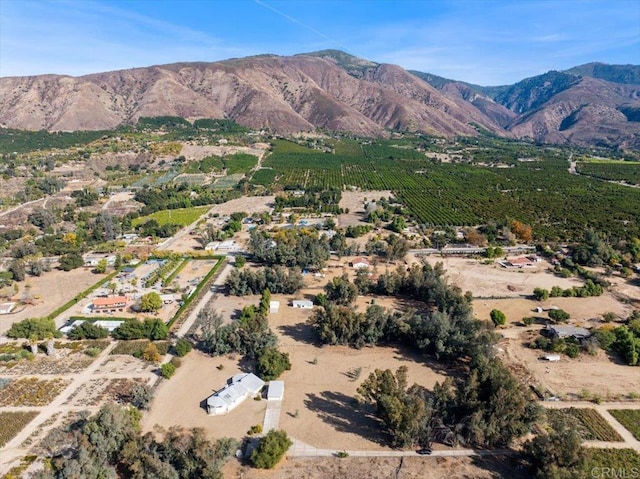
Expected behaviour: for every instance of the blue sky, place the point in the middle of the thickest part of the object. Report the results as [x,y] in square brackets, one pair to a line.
[488,42]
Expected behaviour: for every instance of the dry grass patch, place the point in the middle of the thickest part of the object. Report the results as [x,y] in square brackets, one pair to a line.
[13,423]
[30,391]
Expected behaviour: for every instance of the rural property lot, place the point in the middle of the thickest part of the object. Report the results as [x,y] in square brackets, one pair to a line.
[493,280]
[180,401]
[567,378]
[48,293]
[354,201]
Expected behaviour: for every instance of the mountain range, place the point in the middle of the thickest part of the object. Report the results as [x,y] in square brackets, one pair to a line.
[592,104]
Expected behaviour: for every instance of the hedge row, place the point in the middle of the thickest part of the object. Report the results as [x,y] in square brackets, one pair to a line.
[198,290]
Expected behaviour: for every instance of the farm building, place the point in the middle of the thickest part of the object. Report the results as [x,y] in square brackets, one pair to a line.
[212,246]
[522,262]
[94,259]
[360,263]
[275,391]
[561,332]
[240,387]
[6,308]
[302,304]
[110,305]
[274,306]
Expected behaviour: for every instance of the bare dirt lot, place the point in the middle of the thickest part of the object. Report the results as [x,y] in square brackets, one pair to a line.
[582,310]
[248,204]
[196,152]
[600,374]
[492,280]
[318,406]
[382,468]
[48,293]
[354,201]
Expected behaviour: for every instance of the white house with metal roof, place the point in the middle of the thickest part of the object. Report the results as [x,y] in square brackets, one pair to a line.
[241,387]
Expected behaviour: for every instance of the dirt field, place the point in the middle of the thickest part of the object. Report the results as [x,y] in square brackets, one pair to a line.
[322,393]
[582,310]
[381,468]
[354,200]
[196,152]
[248,204]
[567,378]
[48,294]
[180,401]
[495,281]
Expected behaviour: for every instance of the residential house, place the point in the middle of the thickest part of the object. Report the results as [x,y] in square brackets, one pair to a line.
[111,304]
[240,387]
[302,304]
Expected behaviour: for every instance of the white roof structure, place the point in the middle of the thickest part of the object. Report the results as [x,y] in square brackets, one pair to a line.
[274,306]
[108,325]
[6,308]
[241,387]
[304,304]
[276,391]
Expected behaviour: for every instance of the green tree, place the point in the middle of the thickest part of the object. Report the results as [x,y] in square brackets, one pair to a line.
[556,454]
[498,317]
[541,294]
[405,412]
[271,449]
[88,330]
[39,328]
[240,261]
[182,347]
[341,291]
[71,261]
[101,267]
[150,302]
[559,315]
[272,363]
[167,370]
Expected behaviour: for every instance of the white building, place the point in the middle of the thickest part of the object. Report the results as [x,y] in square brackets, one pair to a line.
[275,391]
[241,387]
[302,304]
[94,259]
[6,308]
[274,306]
[212,246]
[360,263]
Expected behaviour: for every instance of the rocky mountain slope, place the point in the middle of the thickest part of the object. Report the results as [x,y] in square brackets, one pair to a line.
[592,104]
[285,94]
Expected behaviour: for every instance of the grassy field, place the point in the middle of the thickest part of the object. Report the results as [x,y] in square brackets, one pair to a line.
[629,418]
[182,217]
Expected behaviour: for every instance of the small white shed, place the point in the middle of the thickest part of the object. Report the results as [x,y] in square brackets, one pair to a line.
[274,306]
[276,391]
